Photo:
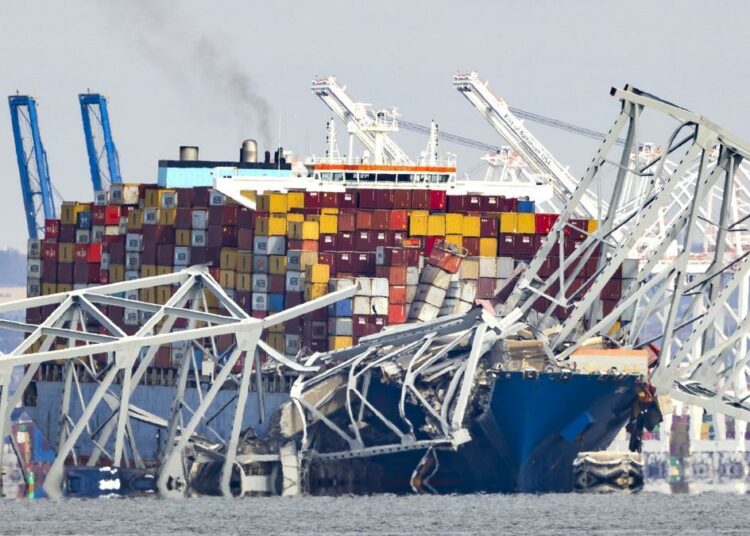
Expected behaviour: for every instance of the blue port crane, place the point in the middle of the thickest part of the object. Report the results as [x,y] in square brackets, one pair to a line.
[36,185]
[104,163]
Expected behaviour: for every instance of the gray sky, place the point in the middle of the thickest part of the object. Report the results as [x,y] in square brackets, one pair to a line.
[213,73]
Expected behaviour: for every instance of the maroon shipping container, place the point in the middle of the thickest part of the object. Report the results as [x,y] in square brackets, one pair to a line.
[345,262]
[456,203]
[473,203]
[65,272]
[576,228]
[344,241]
[364,262]
[158,234]
[49,250]
[508,204]
[329,259]
[549,266]
[117,252]
[97,215]
[381,220]
[489,225]
[293,326]
[363,220]
[85,273]
[490,203]
[363,241]
[612,290]
[312,199]
[148,256]
[380,238]
[401,199]
[438,199]
[366,198]
[276,283]
[420,199]
[201,196]
[293,298]
[383,199]
[363,325]
[292,243]
[486,287]
[525,245]
[348,199]
[507,245]
[329,200]
[397,237]
[347,220]
[246,218]
[183,218]
[471,245]
[67,233]
[165,255]
[245,239]
[185,197]
[49,271]
[571,243]
[229,214]
[198,255]
[243,299]
[327,242]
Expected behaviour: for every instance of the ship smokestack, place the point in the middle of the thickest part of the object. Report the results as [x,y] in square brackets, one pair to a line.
[188,152]
[249,151]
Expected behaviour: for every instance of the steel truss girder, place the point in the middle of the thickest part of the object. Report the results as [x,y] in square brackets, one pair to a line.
[129,359]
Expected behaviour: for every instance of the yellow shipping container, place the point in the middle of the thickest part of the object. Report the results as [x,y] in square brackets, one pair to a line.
[308,258]
[48,288]
[251,195]
[276,341]
[315,290]
[182,237]
[262,203]
[526,223]
[339,342]
[148,294]
[593,226]
[228,258]
[68,213]
[329,224]
[295,217]
[148,270]
[151,200]
[436,225]
[163,270]
[310,230]
[418,222]
[277,203]
[509,222]
[116,274]
[163,294]
[277,226]
[318,273]
[261,226]
[294,229]
[227,278]
[276,328]
[167,216]
[330,211]
[65,287]
[472,226]
[295,200]
[245,262]
[277,264]
[135,219]
[488,247]
[455,239]
[243,281]
[454,224]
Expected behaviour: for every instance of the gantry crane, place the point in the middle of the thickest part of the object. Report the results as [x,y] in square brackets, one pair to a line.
[371,127]
[104,163]
[36,185]
[544,164]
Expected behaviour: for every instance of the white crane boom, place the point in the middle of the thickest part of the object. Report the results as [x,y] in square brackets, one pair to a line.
[498,113]
[371,127]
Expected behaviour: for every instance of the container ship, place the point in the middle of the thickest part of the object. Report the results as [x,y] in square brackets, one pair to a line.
[419,244]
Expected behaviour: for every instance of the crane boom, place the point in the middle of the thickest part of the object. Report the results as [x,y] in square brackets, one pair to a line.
[370,127]
[498,114]
[95,115]
[36,185]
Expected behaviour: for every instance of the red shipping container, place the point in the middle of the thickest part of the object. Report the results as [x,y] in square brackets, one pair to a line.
[112,215]
[312,199]
[276,283]
[456,203]
[95,253]
[81,252]
[215,272]
[308,245]
[445,260]
[51,229]
[329,259]
[490,203]
[396,275]
[420,199]
[380,238]
[348,199]
[473,203]
[508,204]
[397,294]
[327,242]
[381,220]
[489,225]
[429,244]
[98,215]
[49,250]
[291,243]
[183,218]
[363,220]
[544,223]
[366,198]
[471,245]
[398,220]
[347,220]
[67,233]
[383,199]
[345,262]
[438,199]
[329,200]
[397,313]
[363,241]
[401,199]
[344,241]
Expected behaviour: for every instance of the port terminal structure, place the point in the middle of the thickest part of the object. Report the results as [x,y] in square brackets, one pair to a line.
[702,358]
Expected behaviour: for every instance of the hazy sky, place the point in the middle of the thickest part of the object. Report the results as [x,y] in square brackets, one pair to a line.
[213,73]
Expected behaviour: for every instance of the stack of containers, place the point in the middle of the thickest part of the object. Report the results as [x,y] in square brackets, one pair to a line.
[369,306]
[441,266]
[400,267]
[340,332]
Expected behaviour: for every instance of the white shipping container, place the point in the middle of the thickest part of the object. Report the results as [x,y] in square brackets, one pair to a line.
[380,255]
[181,256]
[412,275]
[100,198]
[123,194]
[276,245]
[449,306]
[436,277]
[429,294]
[463,307]
[295,281]
[132,261]
[97,232]
[454,290]
[379,287]
[630,268]
[197,238]
[260,283]
[216,198]
[469,268]
[34,268]
[423,312]
[130,317]
[260,245]
[468,291]
[379,306]
[34,249]
[131,275]
[150,216]
[340,326]
[293,257]
[292,344]
[260,264]
[199,219]
[361,305]
[133,243]
[131,295]
[488,267]
[169,199]
[364,287]
[505,267]
[104,264]
[260,301]
[83,236]
[33,287]
[411,291]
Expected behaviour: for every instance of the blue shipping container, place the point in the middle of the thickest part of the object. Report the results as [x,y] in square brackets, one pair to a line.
[275,303]
[525,206]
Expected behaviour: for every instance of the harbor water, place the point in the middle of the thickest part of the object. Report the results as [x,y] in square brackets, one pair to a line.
[645,513]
